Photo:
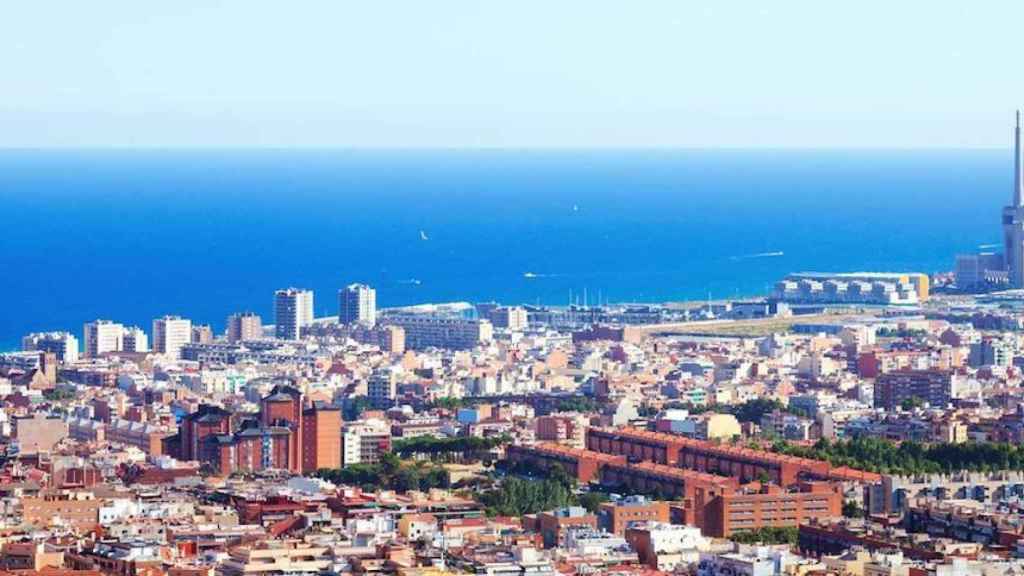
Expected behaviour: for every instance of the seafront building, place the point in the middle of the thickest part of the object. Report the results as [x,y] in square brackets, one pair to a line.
[357,304]
[293,310]
[170,335]
[135,340]
[853,288]
[512,318]
[244,326]
[987,271]
[63,344]
[102,336]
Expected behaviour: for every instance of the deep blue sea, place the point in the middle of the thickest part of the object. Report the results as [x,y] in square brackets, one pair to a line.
[131,235]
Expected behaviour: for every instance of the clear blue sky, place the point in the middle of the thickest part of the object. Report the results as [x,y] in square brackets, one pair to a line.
[513,74]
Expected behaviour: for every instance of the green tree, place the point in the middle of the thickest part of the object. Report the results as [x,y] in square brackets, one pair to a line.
[592,501]
[852,509]
[516,497]
[354,406]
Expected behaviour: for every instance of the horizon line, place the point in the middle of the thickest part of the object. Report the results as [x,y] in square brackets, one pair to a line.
[495,148]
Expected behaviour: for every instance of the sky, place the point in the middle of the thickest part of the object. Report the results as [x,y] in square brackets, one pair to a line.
[513,74]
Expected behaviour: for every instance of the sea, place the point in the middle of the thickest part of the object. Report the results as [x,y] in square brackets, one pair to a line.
[131,235]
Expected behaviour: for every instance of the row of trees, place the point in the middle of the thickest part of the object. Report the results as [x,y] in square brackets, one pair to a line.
[882,456]
[583,404]
[768,535]
[433,446]
[750,411]
[389,474]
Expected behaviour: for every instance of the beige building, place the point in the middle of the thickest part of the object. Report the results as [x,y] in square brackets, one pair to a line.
[244,326]
[278,559]
[39,432]
[723,426]
[79,511]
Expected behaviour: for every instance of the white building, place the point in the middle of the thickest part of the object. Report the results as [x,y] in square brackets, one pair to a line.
[170,334]
[63,344]
[747,561]
[357,304]
[665,546]
[364,442]
[293,309]
[102,336]
[854,287]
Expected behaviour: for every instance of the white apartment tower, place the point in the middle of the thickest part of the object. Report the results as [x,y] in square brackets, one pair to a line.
[63,344]
[357,304]
[170,334]
[135,340]
[293,309]
[102,336]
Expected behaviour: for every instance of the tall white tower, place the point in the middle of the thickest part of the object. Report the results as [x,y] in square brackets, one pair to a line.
[293,309]
[357,303]
[170,334]
[1013,219]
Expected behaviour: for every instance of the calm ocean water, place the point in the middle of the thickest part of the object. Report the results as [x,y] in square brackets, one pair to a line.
[134,235]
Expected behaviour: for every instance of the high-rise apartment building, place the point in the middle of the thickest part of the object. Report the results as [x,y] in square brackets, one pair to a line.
[357,304]
[933,387]
[512,318]
[364,442]
[293,309]
[202,334]
[382,388]
[244,326]
[170,334]
[135,340]
[63,345]
[102,336]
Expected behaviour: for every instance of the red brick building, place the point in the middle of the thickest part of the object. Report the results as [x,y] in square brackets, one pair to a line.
[252,449]
[730,513]
[283,408]
[321,437]
[583,465]
[615,517]
[742,463]
[196,427]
